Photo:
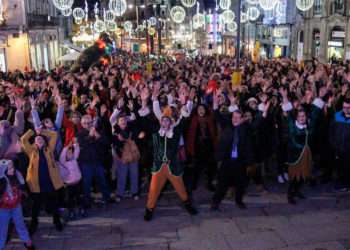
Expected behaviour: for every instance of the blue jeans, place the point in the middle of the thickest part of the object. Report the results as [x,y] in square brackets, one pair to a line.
[122,173]
[88,173]
[16,215]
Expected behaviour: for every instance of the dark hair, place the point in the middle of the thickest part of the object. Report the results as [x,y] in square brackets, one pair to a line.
[3,184]
[347,100]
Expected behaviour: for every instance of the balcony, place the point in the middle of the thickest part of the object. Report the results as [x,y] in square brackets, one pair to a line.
[36,20]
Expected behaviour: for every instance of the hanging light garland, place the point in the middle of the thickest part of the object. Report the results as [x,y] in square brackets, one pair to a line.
[253,2]
[67,12]
[178,14]
[78,14]
[225,4]
[63,4]
[152,21]
[244,17]
[268,4]
[253,13]
[228,16]
[109,15]
[99,26]
[118,7]
[280,9]
[151,31]
[232,27]
[198,20]
[188,3]
[111,26]
[304,5]
[119,31]
[82,28]
[127,26]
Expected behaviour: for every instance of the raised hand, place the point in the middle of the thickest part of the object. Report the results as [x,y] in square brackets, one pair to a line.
[19,103]
[33,102]
[120,103]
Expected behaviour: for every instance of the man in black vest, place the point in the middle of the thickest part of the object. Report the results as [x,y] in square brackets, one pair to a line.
[235,152]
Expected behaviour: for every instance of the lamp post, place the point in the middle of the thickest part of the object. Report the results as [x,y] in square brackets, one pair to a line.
[238,38]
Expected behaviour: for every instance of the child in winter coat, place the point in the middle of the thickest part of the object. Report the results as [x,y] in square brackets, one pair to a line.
[72,176]
[10,203]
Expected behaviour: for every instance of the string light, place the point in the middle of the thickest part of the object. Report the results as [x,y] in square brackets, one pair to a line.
[304,5]
[78,13]
[151,31]
[188,3]
[178,14]
[128,26]
[109,15]
[99,26]
[253,13]
[268,4]
[198,20]
[63,4]
[225,4]
[232,27]
[228,16]
[67,12]
[118,7]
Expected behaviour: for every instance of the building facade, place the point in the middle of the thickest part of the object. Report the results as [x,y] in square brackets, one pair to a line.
[30,35]
[323,32]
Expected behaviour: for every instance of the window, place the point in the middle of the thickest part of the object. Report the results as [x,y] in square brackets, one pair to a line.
[339,7]
[318,5]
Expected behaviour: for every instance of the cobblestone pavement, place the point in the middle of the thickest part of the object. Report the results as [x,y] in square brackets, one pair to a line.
[321,222]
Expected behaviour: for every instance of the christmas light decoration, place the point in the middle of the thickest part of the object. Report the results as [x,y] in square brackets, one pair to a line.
[63,4]
[127,26]
[280,9]
[152,21]
[188,3]
[268,4]
[225,4]
[151,31]
[118,7]
[228,16]
[67,12]
[109,15]
[177,14]
[198,20]
[304,5]
[111,26]
[253,2]
[253,13]
[99,26]
[78,13]
[232,27]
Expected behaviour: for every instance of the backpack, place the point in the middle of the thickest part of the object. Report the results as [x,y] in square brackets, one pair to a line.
[130,152]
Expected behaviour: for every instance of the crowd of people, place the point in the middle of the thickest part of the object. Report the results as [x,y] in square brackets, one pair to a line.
[133,122]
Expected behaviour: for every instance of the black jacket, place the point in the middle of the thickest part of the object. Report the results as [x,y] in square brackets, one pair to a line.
[245,146]
[340,135]
[92,151]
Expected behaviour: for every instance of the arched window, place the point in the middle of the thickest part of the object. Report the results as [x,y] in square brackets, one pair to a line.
[316,42]
[301,36]
[339,6]
[318,6]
